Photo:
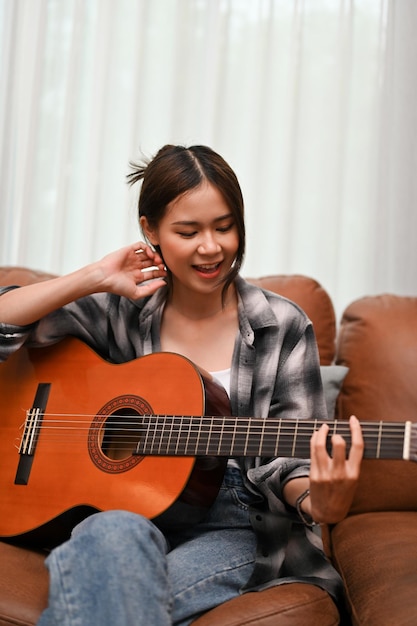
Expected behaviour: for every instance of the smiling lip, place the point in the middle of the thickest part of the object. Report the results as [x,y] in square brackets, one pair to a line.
[208,269]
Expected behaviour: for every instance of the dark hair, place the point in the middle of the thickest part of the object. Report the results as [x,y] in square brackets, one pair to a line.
[175,170]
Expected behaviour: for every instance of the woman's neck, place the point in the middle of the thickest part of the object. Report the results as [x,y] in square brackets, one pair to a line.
[201,329]
[197,307]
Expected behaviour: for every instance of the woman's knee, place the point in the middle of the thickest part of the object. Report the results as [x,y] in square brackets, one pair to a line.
[111,528]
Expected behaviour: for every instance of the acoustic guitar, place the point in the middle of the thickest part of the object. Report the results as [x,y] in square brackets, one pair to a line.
[80,435]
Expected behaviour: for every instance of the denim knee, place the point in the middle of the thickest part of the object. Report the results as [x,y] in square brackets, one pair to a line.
[112,528]
[113,570]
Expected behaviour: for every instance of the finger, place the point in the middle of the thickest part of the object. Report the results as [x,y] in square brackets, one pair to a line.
[144,251]
[150,253]
[148,288]
[139,247]
[320,435]
[357,445]
[350,464]
[318,450]
[145,257]
[338,452]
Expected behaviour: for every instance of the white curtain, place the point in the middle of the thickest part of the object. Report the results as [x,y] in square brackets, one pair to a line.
[313,103]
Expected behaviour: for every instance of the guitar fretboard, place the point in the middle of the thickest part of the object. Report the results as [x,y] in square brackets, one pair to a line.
[229,436]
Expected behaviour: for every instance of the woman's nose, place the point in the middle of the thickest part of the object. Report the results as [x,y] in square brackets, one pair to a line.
[208,244]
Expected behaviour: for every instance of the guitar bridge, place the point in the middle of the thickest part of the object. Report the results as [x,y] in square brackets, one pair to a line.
[31,432]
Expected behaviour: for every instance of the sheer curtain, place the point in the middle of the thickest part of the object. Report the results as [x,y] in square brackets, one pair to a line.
[311,101]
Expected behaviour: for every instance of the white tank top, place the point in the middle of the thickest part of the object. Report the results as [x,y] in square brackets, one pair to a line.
[223,378]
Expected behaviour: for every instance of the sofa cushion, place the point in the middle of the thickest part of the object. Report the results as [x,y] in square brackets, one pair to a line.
[295,604]
[23,585]
[332,377]
[378,343]
[376,555]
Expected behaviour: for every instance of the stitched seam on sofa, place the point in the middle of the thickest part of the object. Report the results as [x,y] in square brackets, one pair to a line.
[256,619]
[6,620]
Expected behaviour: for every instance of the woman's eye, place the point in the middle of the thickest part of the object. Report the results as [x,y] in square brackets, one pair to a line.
[187,235]
[225,229]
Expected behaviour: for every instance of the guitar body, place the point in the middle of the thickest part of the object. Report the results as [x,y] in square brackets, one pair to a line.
[78,464]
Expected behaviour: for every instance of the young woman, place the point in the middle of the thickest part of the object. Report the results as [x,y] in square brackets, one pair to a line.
[182,292]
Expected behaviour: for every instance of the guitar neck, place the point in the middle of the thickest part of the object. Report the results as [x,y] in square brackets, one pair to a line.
[230,436]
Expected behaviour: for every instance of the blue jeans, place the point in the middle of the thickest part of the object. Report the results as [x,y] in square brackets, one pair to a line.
[118,568]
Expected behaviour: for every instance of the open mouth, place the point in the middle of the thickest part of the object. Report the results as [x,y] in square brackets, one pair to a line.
[208,268]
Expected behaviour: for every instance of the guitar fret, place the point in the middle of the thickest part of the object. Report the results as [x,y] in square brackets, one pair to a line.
[177,437]
[171,443]
[221,437]
[203,437]
[162,431]
[261,442]
[409,432]
[239,442]
[247,434]
[187,441]
[143,443]
[295,439]
[378,448]
[209,436]
[183,443]
[216,435]
[278,441]
[226,439]
[255,432]
[195,435]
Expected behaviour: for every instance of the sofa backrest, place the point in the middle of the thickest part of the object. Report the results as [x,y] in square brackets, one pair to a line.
[377,341]
[16,275]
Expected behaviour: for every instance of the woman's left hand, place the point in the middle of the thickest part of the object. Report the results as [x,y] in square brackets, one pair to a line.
[333,479]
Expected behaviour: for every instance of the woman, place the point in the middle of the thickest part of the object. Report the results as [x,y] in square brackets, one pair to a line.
[181,292]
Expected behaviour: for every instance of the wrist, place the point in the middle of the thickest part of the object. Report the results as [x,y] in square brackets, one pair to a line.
[93,278]
[303,508]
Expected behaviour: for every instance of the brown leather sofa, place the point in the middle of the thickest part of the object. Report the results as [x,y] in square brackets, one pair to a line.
[375,547]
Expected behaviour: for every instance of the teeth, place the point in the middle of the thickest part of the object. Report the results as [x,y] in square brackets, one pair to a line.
[208,266]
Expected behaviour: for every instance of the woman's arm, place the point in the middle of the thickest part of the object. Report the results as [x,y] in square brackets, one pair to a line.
[121,272]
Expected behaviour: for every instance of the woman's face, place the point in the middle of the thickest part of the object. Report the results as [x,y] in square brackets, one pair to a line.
[198,238]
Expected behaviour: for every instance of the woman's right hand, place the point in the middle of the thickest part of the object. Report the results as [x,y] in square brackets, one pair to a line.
[134,271]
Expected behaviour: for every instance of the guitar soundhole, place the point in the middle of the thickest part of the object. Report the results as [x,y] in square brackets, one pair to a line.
[120,435]
[115,432]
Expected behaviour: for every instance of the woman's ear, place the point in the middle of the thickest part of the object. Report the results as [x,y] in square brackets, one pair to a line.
[150,233]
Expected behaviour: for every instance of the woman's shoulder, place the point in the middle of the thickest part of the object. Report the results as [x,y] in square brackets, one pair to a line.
[259,298]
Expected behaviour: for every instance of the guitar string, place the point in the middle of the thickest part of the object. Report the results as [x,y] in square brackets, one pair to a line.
[336,426]
[277,447]
[223,419]
[204,422]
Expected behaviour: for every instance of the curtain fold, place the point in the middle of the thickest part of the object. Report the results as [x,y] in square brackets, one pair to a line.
[311,101]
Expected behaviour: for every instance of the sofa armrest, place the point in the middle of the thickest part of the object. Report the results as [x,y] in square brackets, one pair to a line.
[376,555]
